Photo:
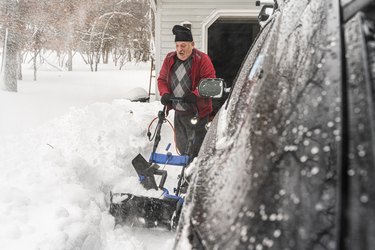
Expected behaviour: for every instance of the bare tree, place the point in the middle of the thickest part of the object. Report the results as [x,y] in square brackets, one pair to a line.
[94,29]
[11,46]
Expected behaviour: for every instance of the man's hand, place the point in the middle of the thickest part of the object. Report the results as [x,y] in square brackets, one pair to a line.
[190,98]
[166,99]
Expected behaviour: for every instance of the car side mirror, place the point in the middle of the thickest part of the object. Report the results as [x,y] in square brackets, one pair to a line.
[265,13]
[268,7]
[212,87]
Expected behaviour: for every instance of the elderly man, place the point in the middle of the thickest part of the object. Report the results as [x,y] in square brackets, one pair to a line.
[179,76]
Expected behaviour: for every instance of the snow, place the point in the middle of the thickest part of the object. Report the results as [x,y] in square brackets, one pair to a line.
[136,94]
[67,140]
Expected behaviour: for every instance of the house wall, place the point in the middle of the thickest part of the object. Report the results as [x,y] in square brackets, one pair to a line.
[200,13]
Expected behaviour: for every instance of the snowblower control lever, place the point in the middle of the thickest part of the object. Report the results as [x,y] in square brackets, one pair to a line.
[146,172]
[161,117]
[153,170]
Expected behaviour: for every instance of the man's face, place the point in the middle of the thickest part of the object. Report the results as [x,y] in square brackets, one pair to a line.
[184,50]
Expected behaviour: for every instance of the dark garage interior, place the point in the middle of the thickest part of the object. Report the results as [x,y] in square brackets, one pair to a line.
[228,43]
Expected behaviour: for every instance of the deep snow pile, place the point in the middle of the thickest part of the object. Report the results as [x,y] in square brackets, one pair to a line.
[55,180]
[55,91]
[56,176]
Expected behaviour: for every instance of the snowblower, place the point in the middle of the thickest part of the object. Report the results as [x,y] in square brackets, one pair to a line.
[163,212]
[148,211]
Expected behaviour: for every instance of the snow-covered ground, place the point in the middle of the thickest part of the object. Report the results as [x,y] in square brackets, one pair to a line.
[66,141]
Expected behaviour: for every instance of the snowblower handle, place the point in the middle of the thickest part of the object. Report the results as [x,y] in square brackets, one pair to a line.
[177,99]
[181,99]
[161,115]
[161,118]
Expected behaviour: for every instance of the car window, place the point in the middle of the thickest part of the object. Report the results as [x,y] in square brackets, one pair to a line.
[352,7]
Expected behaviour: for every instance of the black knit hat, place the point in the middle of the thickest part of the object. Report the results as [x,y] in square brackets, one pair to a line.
[182,34]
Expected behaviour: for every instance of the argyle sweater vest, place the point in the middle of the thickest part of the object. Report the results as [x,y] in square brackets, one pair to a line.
[181,83]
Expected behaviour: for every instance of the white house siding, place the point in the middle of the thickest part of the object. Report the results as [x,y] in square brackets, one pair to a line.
[172,12]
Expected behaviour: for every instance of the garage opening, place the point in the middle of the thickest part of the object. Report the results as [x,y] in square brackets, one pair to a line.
[228,43]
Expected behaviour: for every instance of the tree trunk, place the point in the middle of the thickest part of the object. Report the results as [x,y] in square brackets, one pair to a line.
[96,66]
[105,54]
[19,68]
[129,55]
[70,60]
[114,56]
[91,61]
[34,64]
[10,65]
[4,51]
[97,60]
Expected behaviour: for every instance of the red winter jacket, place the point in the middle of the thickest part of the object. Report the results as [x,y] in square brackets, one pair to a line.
[202,67]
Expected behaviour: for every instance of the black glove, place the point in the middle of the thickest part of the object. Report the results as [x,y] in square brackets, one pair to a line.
[190,98]
[166,99]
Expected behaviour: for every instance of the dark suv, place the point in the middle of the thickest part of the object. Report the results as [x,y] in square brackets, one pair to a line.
[288,162]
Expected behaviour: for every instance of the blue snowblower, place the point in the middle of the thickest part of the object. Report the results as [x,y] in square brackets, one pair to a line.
[165,211]
[149,212]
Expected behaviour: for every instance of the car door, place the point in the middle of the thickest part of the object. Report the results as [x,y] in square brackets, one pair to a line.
[272,172]
[357,190]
